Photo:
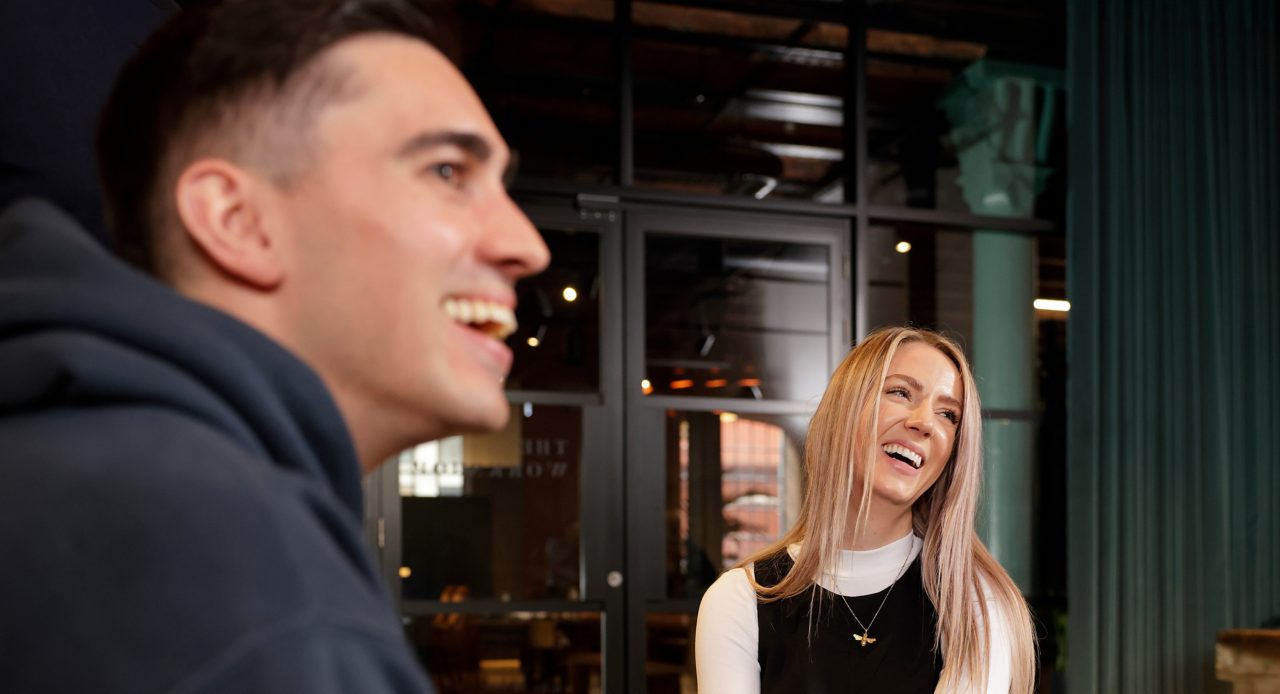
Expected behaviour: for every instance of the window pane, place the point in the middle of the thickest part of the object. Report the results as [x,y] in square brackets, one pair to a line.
[557,346]
[966,111]
[513,652]
[494,515]
[735,318]
[930,275]
[739,104]
[547,71]
[733,487]
[669,664]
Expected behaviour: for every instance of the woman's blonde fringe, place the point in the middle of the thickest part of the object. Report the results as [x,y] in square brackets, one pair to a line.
[960,575]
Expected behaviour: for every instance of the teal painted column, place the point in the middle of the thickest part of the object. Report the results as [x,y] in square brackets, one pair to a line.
[998,133]
[1003,353]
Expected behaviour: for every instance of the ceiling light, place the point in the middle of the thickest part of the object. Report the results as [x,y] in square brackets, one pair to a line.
[903,247]
[570,294]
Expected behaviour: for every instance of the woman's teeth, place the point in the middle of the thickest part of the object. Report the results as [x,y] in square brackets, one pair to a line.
[904,454]
[494,319]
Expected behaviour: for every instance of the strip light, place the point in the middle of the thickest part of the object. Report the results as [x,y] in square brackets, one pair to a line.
[1052,305]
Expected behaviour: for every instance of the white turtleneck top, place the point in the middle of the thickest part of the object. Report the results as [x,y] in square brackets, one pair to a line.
[727,642]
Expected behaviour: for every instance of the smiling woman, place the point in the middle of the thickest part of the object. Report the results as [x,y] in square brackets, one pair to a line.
[893,462]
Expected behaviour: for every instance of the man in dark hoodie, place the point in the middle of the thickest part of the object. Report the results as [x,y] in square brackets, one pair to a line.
[180,470]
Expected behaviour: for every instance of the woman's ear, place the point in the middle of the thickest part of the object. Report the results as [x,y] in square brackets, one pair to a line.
[217,204]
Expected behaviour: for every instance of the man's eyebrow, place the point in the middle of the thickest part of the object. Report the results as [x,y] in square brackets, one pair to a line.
[513,166]
[470,143]
[915,385]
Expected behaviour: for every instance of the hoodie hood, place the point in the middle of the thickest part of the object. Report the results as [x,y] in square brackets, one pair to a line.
[80,328]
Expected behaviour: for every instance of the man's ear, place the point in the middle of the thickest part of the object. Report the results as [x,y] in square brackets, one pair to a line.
[220,207]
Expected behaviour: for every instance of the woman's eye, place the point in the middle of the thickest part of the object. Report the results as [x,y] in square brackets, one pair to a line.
[900,392]
[951,416]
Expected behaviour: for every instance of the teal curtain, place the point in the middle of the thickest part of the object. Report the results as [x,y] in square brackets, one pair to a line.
[1174,348]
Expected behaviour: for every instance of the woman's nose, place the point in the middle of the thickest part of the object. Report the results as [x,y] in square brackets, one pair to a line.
[920,420]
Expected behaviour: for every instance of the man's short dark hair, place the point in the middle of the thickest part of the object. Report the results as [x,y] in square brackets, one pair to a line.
[230,69]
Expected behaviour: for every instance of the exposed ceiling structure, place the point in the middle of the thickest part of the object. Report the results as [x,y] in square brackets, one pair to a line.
[738,97]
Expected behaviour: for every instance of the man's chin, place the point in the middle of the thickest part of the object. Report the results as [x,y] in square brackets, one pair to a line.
[497,421]
[478,418]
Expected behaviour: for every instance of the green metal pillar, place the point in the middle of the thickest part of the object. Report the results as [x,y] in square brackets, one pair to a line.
[999,136]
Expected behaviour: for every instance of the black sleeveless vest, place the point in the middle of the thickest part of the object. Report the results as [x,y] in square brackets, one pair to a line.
[901,661]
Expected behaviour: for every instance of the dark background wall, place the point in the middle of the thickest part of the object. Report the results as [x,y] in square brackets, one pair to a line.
[59,59]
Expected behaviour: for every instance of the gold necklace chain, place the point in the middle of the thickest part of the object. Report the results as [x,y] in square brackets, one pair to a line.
[865,639]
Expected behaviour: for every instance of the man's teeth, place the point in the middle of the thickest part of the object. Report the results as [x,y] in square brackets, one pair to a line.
[904,454]
[495,319]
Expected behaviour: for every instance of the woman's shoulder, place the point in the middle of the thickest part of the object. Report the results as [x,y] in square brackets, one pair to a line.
[733,588]
[737,586]
[770,570]
[728,611]
[727,635]
[993,616]
[986,591]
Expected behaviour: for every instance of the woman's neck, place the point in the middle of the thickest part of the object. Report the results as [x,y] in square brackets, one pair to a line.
[879,530]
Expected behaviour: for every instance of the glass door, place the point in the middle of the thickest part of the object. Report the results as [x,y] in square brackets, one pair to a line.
[500,547]
[740,319]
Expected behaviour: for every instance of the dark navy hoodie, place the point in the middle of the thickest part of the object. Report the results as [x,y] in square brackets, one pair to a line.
[180,500]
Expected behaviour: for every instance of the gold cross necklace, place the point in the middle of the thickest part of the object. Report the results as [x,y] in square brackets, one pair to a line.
[865,639]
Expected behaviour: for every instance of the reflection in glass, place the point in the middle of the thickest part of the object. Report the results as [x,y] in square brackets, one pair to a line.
[933,283]
[557,346]
[516,651]
[547,73]
[738,104]
[737,319]
[669,659]
[494,515]
[965,106]
[733,487]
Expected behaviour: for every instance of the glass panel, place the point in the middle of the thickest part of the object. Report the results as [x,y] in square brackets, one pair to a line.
[733,487]
[669,663]
[512,652]
[926,275]
[557,346]
[735,318]
[738,104]
[494,515]
[547,71]
[965,106]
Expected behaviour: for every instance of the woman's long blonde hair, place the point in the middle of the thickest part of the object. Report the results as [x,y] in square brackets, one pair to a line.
[955,565]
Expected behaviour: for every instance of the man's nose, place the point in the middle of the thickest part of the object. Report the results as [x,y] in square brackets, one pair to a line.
[514,243]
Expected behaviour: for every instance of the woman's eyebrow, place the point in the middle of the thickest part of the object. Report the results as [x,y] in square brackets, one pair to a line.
[910,381]
[915,385]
